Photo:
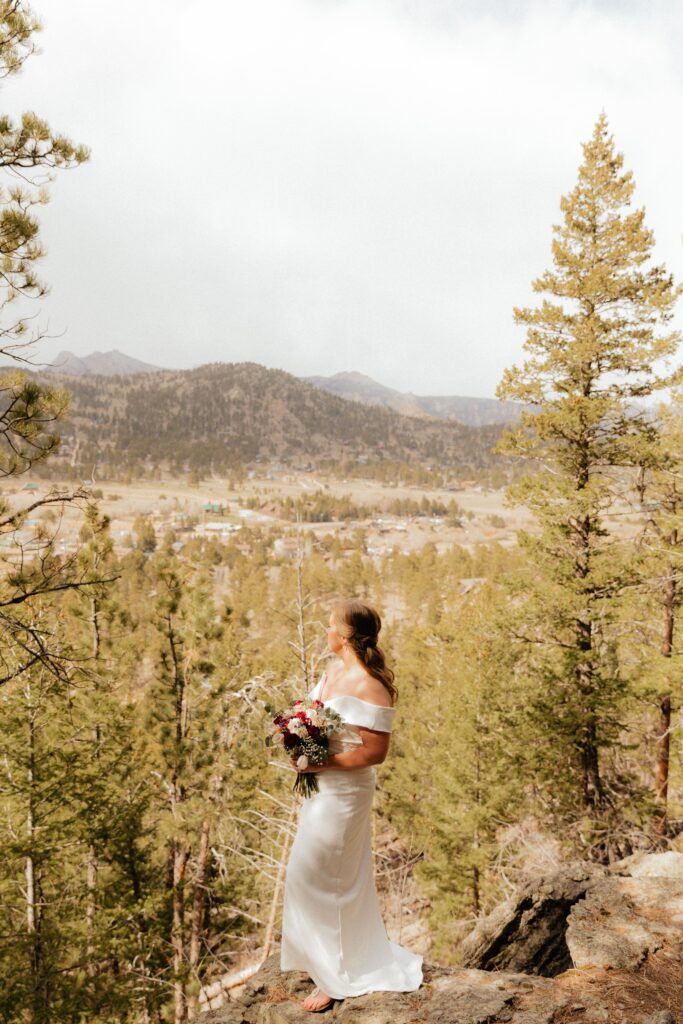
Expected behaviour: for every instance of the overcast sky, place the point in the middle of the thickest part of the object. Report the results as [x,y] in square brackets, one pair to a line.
[326,185]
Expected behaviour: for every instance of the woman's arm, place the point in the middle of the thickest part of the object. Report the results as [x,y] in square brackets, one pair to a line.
[373,751]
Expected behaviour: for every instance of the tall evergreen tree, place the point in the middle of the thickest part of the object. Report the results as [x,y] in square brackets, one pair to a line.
[193,657]
[29,152]
[595,346]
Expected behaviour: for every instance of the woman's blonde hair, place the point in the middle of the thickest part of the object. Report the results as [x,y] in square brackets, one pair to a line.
[359,623]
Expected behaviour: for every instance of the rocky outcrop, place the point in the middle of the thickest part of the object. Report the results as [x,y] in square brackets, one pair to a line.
[527,932]
[622,929]
[447,996]
[650,865]
[624,920]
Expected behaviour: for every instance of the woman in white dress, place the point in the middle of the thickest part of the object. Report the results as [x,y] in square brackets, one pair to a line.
[331,923]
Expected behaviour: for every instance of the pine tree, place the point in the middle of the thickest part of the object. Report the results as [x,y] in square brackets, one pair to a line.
[42,887]
[113,791]
[595,347]
[457,743]
[187,743]
[29,152]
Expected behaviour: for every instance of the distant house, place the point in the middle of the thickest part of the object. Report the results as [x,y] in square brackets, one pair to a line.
[30,487]
[214,506]
[285,547]
[222,527]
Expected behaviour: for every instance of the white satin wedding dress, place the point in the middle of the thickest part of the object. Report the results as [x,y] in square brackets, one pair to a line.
[331,923]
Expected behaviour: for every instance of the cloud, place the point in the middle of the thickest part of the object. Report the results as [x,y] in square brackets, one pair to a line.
[324,186]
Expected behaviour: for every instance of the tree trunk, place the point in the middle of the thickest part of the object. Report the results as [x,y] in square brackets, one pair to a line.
[199,903]
[664,725]
[90,909]
[301,624]
[588,731]
[588,734]
[662,766]
[180,849]
[32,909]
[93,865]
[476,901]
[178,934]
[476,887]
[592,783]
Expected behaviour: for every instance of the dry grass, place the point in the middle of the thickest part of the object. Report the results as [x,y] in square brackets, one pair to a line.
[631,996]
[278,993]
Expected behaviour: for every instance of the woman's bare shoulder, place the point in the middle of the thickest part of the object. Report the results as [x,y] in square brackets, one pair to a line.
[371,689]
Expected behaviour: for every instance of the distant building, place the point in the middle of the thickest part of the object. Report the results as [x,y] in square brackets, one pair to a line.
[287,547]
[222,527]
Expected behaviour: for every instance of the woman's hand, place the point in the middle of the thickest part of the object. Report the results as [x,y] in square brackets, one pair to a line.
[311,767]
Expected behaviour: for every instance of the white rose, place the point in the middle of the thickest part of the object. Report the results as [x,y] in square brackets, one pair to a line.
[302,762]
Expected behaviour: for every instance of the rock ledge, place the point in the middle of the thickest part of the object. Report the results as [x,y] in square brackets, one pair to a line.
[621,929]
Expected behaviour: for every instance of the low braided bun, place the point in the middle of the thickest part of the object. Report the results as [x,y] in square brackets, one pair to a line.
[359,624]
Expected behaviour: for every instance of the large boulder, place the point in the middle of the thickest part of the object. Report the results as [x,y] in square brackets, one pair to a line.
[527,932]
[625,918]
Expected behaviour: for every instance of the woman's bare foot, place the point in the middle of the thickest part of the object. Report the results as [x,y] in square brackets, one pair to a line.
[316,1000]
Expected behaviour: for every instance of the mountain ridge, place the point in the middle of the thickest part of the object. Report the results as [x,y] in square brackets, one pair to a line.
[220,415]
[104,363]
[473,411]
[352,385]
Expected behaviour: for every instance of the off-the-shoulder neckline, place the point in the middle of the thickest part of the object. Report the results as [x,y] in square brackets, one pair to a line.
[349,696]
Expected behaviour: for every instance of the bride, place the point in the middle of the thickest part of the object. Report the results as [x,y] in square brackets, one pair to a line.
[331,923]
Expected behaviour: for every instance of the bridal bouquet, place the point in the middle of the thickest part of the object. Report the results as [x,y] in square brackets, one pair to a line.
[303,729]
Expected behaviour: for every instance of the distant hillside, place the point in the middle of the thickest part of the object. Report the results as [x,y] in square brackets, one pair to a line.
[106,363]
[220,415]
[475,412]
[353,386]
